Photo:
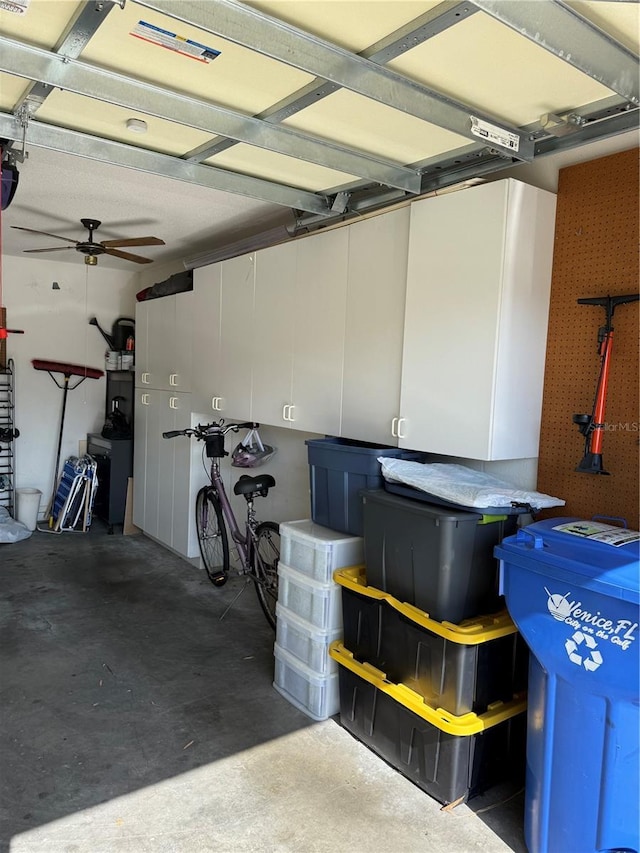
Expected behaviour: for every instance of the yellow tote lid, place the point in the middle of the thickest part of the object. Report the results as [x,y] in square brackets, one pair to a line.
[464,725]
[471,632]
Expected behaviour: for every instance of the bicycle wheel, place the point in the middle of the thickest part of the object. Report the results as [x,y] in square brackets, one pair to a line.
[212,536]
[266,554]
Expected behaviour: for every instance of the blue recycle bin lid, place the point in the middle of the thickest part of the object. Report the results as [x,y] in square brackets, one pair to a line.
[596,556]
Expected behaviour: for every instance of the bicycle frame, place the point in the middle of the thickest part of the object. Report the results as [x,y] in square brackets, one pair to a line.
[243,542]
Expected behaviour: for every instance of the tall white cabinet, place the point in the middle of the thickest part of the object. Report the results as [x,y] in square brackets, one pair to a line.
[166,472]
[475,328]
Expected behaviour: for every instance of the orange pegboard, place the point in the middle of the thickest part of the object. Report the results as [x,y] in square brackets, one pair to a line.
[595,254]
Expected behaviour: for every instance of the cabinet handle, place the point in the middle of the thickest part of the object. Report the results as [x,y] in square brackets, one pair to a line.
[292,409]
[173,380]
[213,403]
[173,402]
[145,378]
[398,433]
[284,413]
[394,427]
[144,399]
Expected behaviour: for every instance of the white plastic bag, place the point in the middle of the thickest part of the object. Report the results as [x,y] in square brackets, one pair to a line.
[461,485]
[10,529]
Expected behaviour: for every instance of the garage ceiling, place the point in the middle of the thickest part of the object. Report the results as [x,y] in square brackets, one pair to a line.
[294,113]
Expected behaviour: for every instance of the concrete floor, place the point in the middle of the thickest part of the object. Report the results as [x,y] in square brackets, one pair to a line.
[133,720]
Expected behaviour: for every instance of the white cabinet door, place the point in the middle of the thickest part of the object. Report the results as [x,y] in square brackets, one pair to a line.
[318,352]
[478,281]
[174,475]
[163,469]
[160,340]
[273,332]
[206,377]
[182,338]
[166,420]
[151,407]
[377,278]
[141,408]
[236,344]
[164,342]
[143,375]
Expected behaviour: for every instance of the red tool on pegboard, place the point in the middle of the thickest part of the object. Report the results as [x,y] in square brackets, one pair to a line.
[592,426]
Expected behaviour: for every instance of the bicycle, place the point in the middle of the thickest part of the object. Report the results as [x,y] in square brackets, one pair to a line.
[258,547]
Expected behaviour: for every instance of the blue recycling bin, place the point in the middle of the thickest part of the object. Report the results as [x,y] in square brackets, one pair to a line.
[572,589]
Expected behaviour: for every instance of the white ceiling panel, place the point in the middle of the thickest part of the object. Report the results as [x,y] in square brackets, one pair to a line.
[353,24]
[235,78]
[620,20]
[65,109]
[484,64]
[43,23]
[279,168]
[374,127]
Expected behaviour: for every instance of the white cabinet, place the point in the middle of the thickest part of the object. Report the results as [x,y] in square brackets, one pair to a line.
[141,410]
[222,341]
[164,342]
[236,343]
[377,276]
[478,280]
[298,333]
[166,471]
[206,375]
[318,333]
[162,470]
[273,332]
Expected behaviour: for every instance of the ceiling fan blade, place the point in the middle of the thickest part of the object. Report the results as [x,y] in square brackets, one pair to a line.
[44,233]
[133,241]
[52,249]
[127,256]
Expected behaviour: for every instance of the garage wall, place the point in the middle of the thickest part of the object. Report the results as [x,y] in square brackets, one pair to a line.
[596,254]
[56,327]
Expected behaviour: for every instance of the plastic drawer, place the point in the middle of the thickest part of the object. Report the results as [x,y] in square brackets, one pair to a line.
[318,696]
[317,551]
[339,468]
[461,668]
[317,603]
[308,644]
[450,758]
[440,560]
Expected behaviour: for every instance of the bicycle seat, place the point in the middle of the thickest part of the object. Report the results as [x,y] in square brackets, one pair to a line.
[247,485]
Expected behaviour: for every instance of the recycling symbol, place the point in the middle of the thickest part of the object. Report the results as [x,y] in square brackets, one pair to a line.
[574,646]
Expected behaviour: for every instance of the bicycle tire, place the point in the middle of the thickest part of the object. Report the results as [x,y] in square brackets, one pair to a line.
[265,558]
[212,536]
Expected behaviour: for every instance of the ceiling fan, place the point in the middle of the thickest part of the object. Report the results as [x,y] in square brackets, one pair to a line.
[92,249]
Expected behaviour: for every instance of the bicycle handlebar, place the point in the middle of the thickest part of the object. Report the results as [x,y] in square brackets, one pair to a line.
[204,431]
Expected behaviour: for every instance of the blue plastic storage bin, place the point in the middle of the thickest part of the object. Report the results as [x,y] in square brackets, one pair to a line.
[575,599]
[339,468]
